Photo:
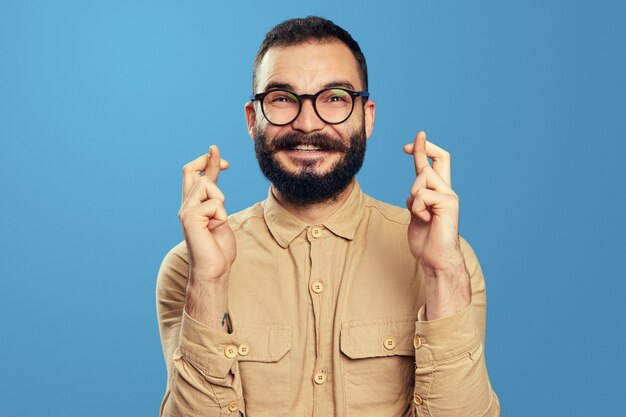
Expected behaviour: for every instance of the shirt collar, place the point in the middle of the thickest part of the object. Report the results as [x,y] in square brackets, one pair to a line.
[285,227]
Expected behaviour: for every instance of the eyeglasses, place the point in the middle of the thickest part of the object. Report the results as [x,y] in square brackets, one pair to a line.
[332,105]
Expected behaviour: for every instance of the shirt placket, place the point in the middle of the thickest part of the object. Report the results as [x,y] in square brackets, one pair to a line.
[319,287]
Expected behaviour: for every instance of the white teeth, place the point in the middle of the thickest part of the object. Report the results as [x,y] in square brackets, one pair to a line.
[306,148]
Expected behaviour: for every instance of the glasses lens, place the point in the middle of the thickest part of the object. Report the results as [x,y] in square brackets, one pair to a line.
[280,107]
[334,105]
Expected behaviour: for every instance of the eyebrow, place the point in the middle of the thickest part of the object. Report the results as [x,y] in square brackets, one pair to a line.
[287,86]
[280,86]
[344,84]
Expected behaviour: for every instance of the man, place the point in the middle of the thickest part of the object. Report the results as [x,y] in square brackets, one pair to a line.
[320,300]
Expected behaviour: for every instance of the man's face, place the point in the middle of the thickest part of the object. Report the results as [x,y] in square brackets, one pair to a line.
[301,174]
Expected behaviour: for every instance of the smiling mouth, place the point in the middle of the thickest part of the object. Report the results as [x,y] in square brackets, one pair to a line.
[306,148]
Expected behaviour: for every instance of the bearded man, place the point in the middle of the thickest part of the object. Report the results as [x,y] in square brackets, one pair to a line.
[321,300]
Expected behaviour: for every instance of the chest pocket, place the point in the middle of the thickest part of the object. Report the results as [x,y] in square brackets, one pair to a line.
[264,366]
[378,366]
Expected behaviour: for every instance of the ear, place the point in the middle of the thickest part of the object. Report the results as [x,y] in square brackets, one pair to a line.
[370,114]
[250,118]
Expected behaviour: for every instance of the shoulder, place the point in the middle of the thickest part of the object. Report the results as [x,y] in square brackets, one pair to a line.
[176,258]
[253,213]
[394,218]
[172,276]
[385,211]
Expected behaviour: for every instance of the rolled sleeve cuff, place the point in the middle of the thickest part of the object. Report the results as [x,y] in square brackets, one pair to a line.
[207,349]
[443,339]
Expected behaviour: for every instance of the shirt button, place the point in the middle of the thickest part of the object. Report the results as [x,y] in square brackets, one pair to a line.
[233,406]
[390,343]
[417,399]
[244,349]
[319,378]
[317,287]
[316,232]
[230,351]
[417,341]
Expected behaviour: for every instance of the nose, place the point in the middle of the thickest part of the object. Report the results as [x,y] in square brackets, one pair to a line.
[308,121]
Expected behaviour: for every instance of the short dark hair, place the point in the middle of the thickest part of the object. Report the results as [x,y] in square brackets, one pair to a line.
[295,31]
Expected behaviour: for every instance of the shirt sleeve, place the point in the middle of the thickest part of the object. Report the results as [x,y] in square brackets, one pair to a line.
[451,375]
[197,357]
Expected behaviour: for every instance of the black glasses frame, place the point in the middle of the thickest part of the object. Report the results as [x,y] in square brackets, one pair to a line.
[354,94]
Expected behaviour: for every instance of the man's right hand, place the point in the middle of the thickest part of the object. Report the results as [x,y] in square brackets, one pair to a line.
[210,240]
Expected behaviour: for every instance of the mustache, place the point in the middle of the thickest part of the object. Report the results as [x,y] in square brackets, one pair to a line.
[319,140]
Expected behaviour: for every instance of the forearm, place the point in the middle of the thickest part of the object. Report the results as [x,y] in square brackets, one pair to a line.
[206,301]
[199,373]
[447,291]
[451,375]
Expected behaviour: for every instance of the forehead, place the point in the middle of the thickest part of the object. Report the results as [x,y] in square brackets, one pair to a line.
[308,67]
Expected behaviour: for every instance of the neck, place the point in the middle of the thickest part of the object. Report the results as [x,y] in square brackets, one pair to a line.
[315,213]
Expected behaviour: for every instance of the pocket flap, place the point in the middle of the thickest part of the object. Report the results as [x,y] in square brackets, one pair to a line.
[265,343]
[377,338]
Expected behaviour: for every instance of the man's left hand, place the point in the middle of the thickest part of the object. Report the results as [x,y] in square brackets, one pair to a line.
[434,229]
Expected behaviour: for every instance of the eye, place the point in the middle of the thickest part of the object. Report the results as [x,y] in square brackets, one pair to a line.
[282,97]
[336,96]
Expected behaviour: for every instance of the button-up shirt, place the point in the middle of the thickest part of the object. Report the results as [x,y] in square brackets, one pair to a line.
[328,320]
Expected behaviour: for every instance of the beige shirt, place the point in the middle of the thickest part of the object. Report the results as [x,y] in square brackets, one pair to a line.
[327,320]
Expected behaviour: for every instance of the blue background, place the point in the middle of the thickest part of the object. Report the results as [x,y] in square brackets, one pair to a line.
[101,104]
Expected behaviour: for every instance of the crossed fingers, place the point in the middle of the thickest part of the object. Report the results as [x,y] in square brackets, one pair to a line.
[431,189]
[201,195]
[422,150]
[210,164]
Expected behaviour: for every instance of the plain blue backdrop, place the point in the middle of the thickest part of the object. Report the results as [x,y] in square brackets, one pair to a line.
[102,102]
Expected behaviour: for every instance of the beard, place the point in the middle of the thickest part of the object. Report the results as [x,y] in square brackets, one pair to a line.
[307,187]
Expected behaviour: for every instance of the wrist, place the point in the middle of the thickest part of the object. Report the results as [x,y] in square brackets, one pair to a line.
[207,276]
[206,301]
[448,291]
[451,266]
